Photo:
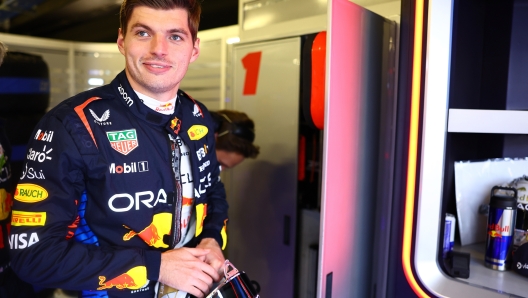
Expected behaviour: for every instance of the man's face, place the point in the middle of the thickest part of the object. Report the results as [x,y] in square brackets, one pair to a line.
[158,48]
[228,159]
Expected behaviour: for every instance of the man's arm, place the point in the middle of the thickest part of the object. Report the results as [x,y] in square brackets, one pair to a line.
[45,216]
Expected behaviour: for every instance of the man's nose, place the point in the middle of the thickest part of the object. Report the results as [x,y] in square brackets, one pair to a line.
[159,45]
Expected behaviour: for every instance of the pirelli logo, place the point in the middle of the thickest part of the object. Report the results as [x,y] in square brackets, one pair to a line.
[29,219]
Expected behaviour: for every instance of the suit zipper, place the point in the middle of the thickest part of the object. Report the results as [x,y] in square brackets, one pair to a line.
[176,219]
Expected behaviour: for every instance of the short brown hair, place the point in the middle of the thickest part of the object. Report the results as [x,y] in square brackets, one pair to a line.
[193,8]
[229,124]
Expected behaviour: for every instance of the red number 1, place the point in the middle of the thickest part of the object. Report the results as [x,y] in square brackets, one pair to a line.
[251,64]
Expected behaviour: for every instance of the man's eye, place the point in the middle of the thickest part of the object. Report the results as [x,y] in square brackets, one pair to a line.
[175,37]
[142,33]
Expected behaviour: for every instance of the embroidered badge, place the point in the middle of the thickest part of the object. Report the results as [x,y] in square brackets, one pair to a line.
[123,141]
[197,132]
[175,125]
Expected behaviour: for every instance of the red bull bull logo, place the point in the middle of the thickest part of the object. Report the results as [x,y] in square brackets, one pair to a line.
[175,125]
[495,234]
[154,232]
[133,279]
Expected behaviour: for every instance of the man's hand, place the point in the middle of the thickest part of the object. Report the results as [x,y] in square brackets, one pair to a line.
[215,257]
[186,269]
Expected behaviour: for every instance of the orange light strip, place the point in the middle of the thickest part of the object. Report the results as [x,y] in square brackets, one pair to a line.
[413,148]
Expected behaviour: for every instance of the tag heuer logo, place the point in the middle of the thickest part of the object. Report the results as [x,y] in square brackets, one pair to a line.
[123,141]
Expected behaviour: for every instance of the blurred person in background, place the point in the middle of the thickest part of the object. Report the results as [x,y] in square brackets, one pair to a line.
[10,284]
[235,133]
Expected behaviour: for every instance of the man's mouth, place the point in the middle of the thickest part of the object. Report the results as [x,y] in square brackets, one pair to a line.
[156,65]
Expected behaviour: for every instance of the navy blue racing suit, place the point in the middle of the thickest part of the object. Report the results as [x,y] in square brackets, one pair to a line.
[96,204]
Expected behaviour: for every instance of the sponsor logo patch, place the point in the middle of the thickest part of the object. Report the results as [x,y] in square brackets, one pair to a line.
[30,193]
[103,119]
[124,202]
[202,152]
[39,156]
[29,219]
[133,167]
[21,241]
[205,182]
[31,173]
[123,141]
[197,111]
[45,136]
[197,132]
[205,165]
[127,99]
[166,107]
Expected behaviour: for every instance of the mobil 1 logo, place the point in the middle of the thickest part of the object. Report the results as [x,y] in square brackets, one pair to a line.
[126,168]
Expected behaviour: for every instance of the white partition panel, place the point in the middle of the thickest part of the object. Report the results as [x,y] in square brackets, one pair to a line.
[78,66]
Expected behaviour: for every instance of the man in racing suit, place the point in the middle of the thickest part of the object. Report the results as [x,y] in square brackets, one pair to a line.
[121,185]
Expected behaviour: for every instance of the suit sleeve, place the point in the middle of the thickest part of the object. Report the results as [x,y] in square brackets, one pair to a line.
[45,214]
[215,223]
[6,191]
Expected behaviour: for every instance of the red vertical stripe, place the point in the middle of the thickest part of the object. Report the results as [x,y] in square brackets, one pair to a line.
[317,102]
[80,112]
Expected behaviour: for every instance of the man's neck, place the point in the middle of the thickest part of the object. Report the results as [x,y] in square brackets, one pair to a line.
[163,97]
[163,107]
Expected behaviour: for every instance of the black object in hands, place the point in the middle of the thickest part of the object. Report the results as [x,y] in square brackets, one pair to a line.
[235,284]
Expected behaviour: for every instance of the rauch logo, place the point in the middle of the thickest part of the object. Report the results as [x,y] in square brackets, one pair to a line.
[197,132]
[30,193]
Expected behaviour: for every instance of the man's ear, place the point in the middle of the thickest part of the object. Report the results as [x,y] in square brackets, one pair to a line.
[196,50]
[121,41]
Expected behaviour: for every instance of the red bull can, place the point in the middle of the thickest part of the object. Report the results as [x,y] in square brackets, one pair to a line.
[501,222]
[449,233]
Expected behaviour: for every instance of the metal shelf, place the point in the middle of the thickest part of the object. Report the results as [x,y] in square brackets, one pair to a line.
[505,282]
[487,121]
